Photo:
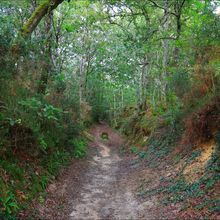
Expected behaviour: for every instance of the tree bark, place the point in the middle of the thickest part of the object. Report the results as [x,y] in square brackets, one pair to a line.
[37,15]
[165,44]
[81,85]
[46,69]
[44,8]
[178,10]
[144,73]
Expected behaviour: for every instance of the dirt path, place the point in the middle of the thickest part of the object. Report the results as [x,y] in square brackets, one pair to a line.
[102,196]
[104,186]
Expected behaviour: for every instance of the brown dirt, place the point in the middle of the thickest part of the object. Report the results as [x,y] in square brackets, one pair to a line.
[102,186]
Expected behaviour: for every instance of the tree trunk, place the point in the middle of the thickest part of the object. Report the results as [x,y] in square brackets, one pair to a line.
[37,15]
[165,44]
[122,99]
[115,109]
[31,24]
[82,72]
[178,11]
[47,63]
[144,73]
[138,90]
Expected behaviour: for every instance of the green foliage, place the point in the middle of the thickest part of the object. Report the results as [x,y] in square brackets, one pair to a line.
[44,181]
[41,199]
[216,206]
[134,149]
[104,136]
[139,153]
[9,203]
[56,160]
[17,173]
[43,144]
[69,28]
[159,147]
[171,115]
[178,190]
[128,70]
[80,147]
[51,113]
[43,111]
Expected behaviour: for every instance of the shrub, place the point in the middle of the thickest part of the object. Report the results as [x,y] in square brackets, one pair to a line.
[8,203]
[201,125]
[80,147]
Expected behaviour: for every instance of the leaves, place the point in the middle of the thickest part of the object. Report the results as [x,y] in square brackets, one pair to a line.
[69,28]
[80,148]
[46,111]
[9,203]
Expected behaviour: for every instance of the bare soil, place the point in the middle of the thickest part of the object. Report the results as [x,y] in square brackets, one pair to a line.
[103,186]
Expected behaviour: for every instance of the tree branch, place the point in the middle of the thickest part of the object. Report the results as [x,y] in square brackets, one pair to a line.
[167,38]
[124,15]
[37,15]
[161,7]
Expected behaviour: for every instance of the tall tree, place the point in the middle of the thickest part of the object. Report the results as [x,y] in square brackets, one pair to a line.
[47,62]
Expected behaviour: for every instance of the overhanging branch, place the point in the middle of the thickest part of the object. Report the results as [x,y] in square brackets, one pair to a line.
[161,7]
[37,16]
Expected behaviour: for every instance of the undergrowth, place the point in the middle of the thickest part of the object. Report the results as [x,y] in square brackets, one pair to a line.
[37,138]
[157,147]
[200,195]
[80,147]
[166,148]
[22,181]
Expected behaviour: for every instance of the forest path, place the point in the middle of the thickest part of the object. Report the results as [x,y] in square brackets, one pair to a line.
[102,186]
[102,195]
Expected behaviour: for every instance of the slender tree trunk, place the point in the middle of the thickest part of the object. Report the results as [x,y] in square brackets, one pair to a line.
[178,11]
[122,99]
[144,73]
[81,85]
[165,45]
[176,49]
[47,63]
[115,109]
[138,90]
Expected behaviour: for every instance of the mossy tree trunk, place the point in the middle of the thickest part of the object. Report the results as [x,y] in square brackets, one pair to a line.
[40,11]
[37,15]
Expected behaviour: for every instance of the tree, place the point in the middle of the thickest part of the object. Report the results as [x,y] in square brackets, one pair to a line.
[44,8]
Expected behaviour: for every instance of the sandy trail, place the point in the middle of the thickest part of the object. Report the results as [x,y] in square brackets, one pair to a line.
[102,195]
[102,186]
[106,185]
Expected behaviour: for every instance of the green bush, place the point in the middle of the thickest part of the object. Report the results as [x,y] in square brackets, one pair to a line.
[13,169]
[80,147]
[8,203]
[42,110]
[55,160]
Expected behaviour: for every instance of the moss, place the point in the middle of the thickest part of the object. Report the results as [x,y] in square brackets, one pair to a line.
[36,15]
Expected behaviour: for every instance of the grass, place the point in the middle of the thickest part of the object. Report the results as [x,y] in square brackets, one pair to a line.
[80,147]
